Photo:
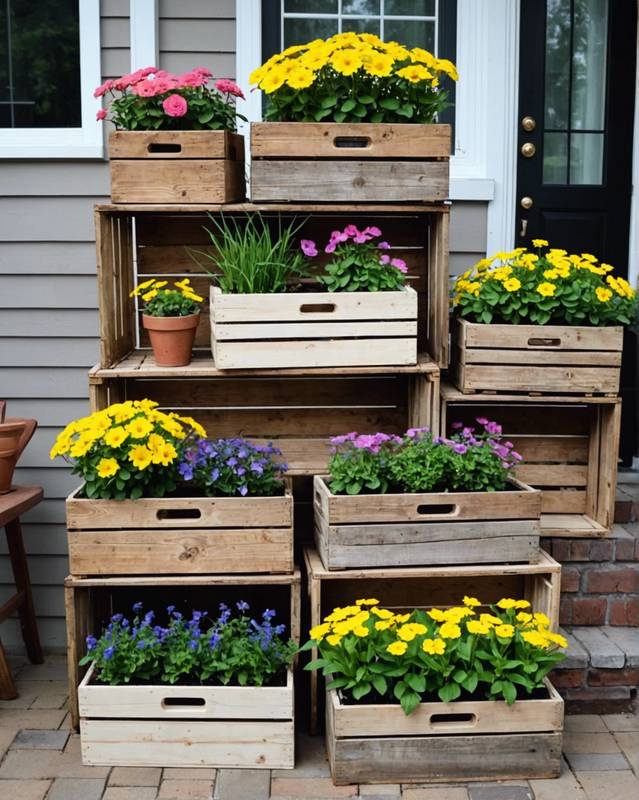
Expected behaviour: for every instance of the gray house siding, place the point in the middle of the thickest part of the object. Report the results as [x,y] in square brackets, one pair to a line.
[48,293]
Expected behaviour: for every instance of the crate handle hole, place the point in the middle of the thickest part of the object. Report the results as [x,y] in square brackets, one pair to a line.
[535,342]
[463,720]
[191,702]
[441,509]
[178,513]
[359,142]
[164,147]
[317,308]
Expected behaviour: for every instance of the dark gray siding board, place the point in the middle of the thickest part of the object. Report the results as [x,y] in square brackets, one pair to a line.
[41,540]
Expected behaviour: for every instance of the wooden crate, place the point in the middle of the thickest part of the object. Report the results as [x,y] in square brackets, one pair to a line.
[187,726]
[313,329]
[299,412]
[182,535]
[569,446]
[405,530]
[136,243]
[363,162]
[90,602]
[407,588]
[465,741]
[536,358]
[176,166]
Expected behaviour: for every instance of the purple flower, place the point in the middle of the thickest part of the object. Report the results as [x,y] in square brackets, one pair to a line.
[242,605]
[243,490]
[460,449]
[108,653]
[215,474]
[457,426]
[141,644]
[116,618]
[399,264]
[414,433]
[481,420]
[384,246]
[351,230]
[361,238]
[186,471]
[170,609]
[373,230]
[214,640]
[384,259]
[268,614]
[193,643]
[137,607]
[309,248]
[92,643]
[493,428]
[330,247]
[279,629]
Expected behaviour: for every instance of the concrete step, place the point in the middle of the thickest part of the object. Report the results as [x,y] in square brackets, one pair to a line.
[627,502]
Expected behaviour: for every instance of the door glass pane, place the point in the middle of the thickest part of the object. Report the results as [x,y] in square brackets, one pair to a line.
[360,6]
[590,36]
[557,78]
[366,25]
[303,7]
[586,158]
[411,33]
[555,168]
[410,8]
[301,31]
[40,64]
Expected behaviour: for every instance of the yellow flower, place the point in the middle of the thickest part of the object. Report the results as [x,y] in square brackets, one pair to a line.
[139,428]
[342,628]
[401,618]
[360,631]
[149,295]
[489,619]
[551,274]
[541,619]
[450,630]
[141,286]
[383,624]
[434,647]
[367,602]
[447,67]
[539,243]
[457,613]
[506,603]
[196,427]
[415,73]
[107,467]
[164,455]
[603,295]
[534,637]
[524,617]
[257,75]
[556,638]
[82,446]
[155,442]
[478,627]
[171,426]
[300,78]
[471,602]
[419,54]
[406,633]
[140,456]
[334,639]
[512,284]
[319,632]
[397,648]
[522,604]
[346,62]
[378,64]
[505,631]
[382,613]
[272,81]
[546,289]
[115,436]
[437,615]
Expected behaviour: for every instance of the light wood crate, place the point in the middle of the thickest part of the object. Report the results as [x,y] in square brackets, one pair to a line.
[362,162]
[418,234]
[427,529]
[536,358]
[90,602]
[246,727]
[470,740]
[176,166]
[569,446]
[298,412]
[407,588]
[198,535]
[313,329]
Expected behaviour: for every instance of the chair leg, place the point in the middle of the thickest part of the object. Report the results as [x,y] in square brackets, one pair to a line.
[8,690]
[26,610]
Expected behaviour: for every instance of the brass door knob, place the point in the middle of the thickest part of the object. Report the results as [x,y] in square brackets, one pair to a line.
[526,202]
[528,150]
[528,124]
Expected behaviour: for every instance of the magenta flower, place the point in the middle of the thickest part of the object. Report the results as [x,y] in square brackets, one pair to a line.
[384,246]
[457,426]
[309,248]
[361,238]
[330,247]
[373,230]
[385,259]
[482,420]
[399,264]
[351,231]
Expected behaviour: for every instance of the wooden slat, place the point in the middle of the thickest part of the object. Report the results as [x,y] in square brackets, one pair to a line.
[192,144]
[548,378]
[546,358]
[563,337]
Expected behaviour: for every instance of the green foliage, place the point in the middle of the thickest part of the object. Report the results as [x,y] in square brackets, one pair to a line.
[181,301]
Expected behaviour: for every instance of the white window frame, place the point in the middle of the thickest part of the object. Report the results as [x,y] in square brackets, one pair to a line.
[85,141]
[483,167]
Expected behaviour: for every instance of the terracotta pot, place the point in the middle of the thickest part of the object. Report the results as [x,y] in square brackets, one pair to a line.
[14,437]
[171,338]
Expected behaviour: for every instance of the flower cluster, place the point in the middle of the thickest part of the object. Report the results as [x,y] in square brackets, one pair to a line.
[128,450]
[154,99]
[180,301]
[229,649]
[546,286]
[470,460]
[359,264]
[447,654]
[230,467]
[353,77]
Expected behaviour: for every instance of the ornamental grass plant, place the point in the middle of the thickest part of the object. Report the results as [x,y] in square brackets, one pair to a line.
[494,651]
[542,287]
[353,77]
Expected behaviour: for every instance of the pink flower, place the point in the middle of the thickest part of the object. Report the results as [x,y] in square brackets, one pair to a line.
[384,246]
[203,71]
[351,230]
[101,114]
[227,86]
[385,259]
[309,248]
[145,88]
[361,237]
[165,84]
[192,79]
[148,71]
[103,88]
[373,230]
[175,105]
[330,247]
[399,264]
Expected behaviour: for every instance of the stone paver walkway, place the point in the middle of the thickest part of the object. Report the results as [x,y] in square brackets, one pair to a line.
[40,760]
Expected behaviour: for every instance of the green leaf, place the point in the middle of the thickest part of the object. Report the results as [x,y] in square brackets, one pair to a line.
[329,102]
[416,682]
[509,692]
[389,103]
[348,105]
[366,99]
[361,690]
[207,116]
[380,684]
[409,702]
[470,684]
[449,692]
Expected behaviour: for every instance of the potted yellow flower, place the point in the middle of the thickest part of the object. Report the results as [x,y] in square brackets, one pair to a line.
[351,118]
[541,320]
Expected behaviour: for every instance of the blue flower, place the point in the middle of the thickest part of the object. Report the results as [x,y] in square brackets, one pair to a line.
[214,640]
[193,644]
[186,471]
[137,607]
[243,490]
[108,653]
[116,618]
[215,474]
[170,609]
[148,619]
[256,466]
[268,614]
[141,644]
[279,629]
[125,623]
[92,643]
[242,605]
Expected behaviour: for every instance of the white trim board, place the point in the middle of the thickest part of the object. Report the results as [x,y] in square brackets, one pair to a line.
[83,142]
[144,21]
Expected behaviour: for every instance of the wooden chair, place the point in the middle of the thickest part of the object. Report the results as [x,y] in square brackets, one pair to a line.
[19,500]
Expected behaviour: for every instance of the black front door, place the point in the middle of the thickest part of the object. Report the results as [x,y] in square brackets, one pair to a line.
[576,115]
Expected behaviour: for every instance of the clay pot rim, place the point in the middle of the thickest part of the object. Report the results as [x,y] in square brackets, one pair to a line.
[170,323]
[13,427]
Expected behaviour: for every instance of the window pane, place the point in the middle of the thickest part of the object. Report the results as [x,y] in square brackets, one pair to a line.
[410,8]
[557,78]
[586,158]
[555,158]
[316,7]
[361,25]
[360,6]
[301,31]
[410,33]
[589,57]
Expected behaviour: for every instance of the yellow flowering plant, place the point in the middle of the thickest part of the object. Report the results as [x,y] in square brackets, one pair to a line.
[128,450]
[544,286]
[354,77]
[498,651]
[179,301]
